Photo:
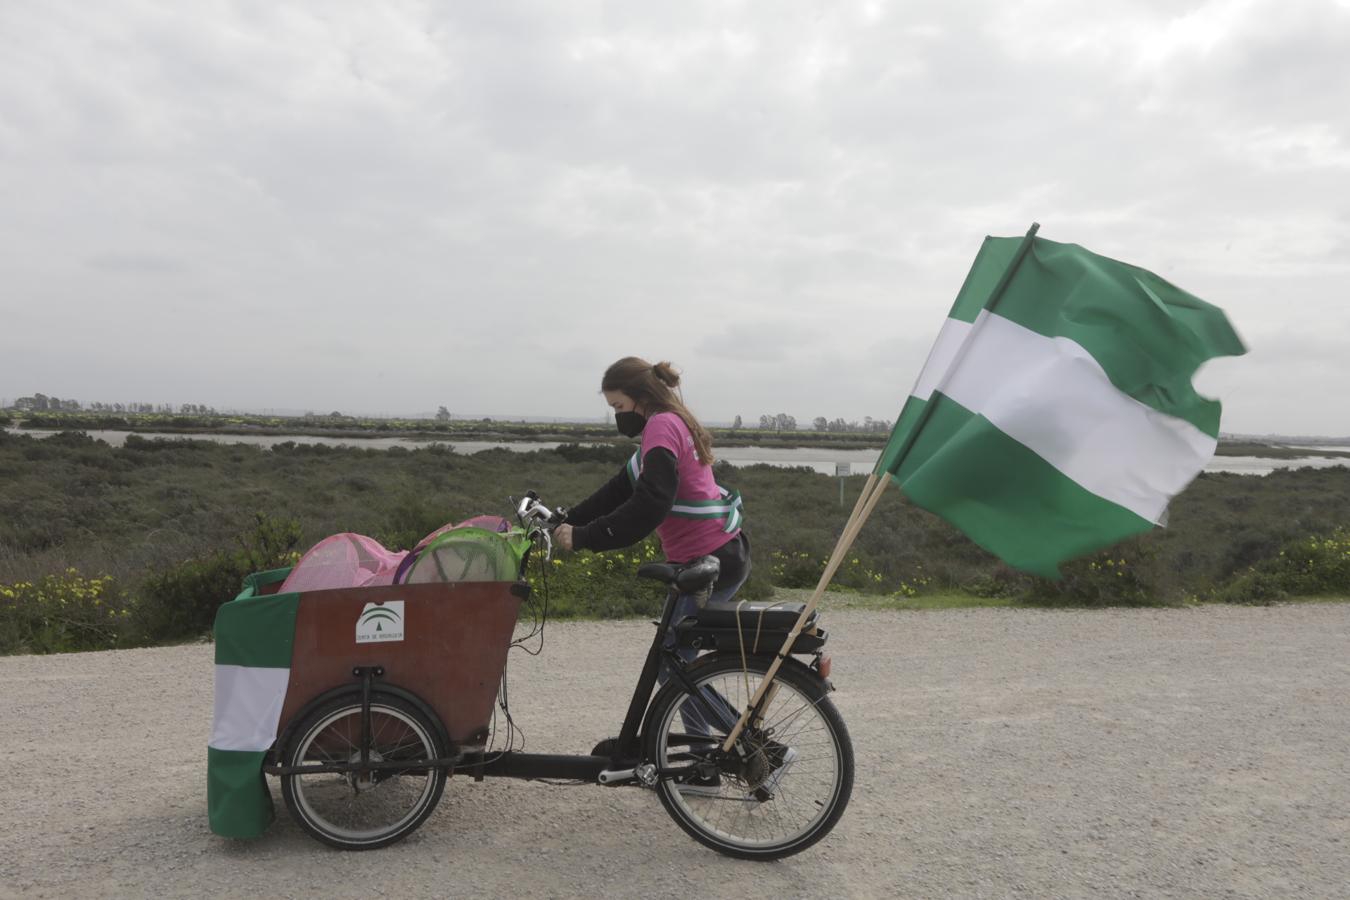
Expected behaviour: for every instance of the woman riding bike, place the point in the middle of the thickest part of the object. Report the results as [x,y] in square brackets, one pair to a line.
[666,487]
[743,746]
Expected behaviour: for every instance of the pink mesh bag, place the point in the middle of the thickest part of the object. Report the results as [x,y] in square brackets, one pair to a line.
[344,561]
[488,523]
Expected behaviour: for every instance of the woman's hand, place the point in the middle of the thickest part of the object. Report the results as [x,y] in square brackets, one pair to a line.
[562,536]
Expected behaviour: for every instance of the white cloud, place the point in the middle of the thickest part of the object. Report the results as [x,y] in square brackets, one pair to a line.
[332,205]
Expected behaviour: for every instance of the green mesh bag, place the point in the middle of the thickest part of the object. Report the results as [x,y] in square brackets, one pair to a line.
[471,554]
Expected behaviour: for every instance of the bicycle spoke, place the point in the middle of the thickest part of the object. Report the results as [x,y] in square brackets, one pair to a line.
[359,806]
[774,807]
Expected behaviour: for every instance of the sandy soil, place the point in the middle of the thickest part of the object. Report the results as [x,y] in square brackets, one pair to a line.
[1001,753]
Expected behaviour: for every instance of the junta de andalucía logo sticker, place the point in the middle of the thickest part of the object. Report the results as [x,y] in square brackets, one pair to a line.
[380,622]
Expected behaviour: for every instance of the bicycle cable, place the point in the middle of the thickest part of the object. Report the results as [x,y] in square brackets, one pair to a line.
[538,614]
[539,618]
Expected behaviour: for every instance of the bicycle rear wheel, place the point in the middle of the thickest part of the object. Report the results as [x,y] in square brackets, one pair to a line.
[791,781]
[364,810]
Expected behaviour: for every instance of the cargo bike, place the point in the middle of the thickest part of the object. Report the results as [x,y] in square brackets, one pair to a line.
[391,690]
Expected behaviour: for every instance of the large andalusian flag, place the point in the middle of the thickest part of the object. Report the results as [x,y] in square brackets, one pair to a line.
[1055,414]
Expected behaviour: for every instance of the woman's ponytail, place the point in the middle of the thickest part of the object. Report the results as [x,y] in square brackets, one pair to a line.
[667,373]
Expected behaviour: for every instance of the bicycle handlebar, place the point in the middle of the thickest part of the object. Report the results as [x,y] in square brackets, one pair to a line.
[532,512]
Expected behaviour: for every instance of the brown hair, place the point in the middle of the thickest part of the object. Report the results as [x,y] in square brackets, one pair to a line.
[655,388]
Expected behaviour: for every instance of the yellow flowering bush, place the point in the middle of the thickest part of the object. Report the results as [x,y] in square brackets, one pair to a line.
[606,585]
[916,584]
[598,585]
[1114,577]
[61,613]
[797,569]
[1317,565]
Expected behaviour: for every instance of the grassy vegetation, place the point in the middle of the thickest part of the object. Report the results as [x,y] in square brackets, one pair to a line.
[167,528]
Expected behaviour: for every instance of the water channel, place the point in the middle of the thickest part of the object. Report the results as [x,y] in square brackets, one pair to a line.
[821,460]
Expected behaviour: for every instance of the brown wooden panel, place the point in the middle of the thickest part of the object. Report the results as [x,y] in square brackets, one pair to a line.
[455,639]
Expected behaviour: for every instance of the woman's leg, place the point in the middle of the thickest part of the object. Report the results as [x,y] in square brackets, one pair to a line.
[728,583]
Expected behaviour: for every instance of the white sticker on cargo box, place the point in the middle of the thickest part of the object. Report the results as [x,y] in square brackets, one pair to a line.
[380,622]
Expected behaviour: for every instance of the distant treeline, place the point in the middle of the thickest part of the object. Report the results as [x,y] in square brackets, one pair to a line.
[168,527]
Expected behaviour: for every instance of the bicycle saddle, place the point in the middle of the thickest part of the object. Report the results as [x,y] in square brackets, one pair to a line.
[690,578]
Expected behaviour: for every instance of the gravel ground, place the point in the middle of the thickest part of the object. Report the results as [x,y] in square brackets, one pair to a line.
[1001,753]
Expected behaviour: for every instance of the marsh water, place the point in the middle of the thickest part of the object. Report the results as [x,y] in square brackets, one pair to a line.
[821,460]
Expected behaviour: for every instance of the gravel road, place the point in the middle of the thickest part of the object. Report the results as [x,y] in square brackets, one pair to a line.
[1001,753]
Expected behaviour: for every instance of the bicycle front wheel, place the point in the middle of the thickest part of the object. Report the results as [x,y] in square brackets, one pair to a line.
[785,785]
[364,810]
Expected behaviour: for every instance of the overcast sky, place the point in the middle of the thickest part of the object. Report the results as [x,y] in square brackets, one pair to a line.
[386,207]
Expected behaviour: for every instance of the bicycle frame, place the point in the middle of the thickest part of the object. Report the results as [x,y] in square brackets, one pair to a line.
[618,767]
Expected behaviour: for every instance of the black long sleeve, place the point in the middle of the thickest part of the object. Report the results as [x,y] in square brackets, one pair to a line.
[618,515]
[608,498]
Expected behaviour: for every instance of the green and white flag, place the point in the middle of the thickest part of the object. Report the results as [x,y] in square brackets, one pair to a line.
[1055,414]
[254,638]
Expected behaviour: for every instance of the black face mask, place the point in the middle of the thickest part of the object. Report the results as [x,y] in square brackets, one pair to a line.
[630,424]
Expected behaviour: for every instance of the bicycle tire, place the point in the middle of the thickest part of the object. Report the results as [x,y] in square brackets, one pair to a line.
[355,811]
[758,811]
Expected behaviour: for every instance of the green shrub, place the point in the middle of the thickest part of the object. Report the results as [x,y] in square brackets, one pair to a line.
[71,421]
[62,613]
[1308,567]
[408,521]
[599,585]
[613,454]
[167,445]
[1002,582]
[1315,565]
[71,439]
[1253,588]
[1249,546]
[1111,578]
[759,586]
[795,568]
[181,602]
[588,585]
[139,511]
[856,572]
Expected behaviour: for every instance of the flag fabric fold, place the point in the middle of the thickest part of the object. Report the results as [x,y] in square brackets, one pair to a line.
[1055,414]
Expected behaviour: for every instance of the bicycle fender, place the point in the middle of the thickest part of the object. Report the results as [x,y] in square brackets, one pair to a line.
[284,736]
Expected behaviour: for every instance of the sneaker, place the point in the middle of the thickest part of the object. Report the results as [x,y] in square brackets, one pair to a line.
[776,754]
[702,785]
[781,758]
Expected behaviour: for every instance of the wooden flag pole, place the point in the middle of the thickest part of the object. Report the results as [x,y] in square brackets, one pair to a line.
[863,508]
[857,507]
[861,511]
[994,296]
[841,547]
